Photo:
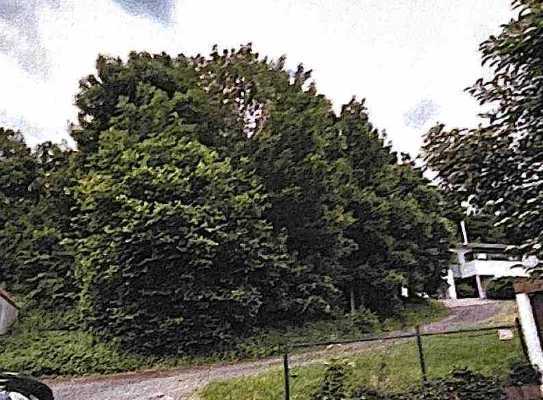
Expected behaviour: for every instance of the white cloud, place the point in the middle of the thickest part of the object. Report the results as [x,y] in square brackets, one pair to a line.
[393,52]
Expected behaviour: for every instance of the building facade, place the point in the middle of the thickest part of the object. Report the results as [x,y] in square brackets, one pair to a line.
[482,262]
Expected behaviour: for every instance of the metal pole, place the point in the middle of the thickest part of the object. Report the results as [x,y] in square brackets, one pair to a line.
[287,376]
[421,354]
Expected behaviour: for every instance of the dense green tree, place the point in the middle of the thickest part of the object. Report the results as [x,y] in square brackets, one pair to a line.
[212,195]
[497,166]
[172,238]
[283,143]
[18,174]
[319,171]
[35,220]
[288,136]
[400,235]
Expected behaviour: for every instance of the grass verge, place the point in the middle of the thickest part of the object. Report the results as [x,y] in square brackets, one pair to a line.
[391,368]
[36,346]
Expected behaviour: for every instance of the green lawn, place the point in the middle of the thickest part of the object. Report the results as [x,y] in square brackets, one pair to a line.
[390,368]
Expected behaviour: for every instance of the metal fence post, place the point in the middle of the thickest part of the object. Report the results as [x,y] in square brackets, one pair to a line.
[421,354]
[287,375]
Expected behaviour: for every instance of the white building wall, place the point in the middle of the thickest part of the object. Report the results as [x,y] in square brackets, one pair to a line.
[494,268]
[451,290]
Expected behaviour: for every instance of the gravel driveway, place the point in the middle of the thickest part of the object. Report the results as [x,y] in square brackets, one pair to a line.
[181,384]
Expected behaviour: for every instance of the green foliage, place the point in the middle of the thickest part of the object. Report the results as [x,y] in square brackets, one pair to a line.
[34,221]
[416,313]
[271,341]
[172,238]
[210,197]
[17,175]
[459,384]
[401,238]
[466,288]
[364,321]
[44,343]
[501,289]
[332,386]
[523,374]
[284,131]
[38,347]
[496,166]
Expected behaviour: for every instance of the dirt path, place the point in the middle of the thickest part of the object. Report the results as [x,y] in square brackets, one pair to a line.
[182,384]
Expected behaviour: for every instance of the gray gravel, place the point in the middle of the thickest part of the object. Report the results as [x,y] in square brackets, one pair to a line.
[182,384]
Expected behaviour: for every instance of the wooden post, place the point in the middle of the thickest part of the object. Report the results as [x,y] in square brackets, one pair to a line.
[287,375]
[421,354]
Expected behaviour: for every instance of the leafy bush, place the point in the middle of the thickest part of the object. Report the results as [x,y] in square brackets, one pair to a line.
[422,311]
[333,385]
[35,263]
[523,374]
[461,384]
[501,289]
[35,348]
[364,321]
[465,289]
[368,394]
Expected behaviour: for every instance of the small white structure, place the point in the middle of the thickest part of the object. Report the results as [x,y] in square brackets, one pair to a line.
[8,312]
[484,261]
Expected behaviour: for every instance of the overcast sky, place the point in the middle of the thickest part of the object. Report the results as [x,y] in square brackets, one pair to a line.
[411,59]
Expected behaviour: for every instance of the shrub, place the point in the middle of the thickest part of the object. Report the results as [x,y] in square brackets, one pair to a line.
[523,374]
[368,394]
[364,321]
[461,384]
[333,385]
[466,289]
[501,289]
[36,348]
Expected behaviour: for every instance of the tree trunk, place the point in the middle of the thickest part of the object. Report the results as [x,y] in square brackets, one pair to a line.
[353,302]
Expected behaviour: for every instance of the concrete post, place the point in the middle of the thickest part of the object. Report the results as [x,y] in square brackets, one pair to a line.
[480,288]
[451,290]
[530,331]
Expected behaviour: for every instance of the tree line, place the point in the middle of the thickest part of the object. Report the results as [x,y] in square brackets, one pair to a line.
[210,196]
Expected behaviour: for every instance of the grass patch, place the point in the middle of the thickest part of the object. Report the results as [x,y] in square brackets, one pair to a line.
[270,342]
[37,347]
[391,368]
[416,314]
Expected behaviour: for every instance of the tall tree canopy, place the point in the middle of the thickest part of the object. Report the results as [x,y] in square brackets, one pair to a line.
[35,216]
[498,165]
[212,195]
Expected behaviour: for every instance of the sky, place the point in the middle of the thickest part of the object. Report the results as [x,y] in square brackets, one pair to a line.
[410,59]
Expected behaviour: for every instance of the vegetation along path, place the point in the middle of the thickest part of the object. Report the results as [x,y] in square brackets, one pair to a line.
[182,384]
